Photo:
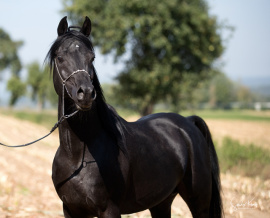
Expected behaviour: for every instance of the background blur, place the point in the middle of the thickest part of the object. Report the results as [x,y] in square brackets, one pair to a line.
[210,59]
[244,60]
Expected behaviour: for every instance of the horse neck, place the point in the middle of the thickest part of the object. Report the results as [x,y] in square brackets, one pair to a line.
[79,130]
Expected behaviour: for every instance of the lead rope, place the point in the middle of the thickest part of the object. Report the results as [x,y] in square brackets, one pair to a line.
[30,143]
[56,125]
[62,118]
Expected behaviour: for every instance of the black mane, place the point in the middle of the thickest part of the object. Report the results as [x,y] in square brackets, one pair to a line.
[108,116]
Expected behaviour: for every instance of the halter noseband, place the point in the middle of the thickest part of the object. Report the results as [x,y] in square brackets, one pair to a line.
[65,88]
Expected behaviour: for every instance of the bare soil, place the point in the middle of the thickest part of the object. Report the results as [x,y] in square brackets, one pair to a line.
[26,189]
[247,132]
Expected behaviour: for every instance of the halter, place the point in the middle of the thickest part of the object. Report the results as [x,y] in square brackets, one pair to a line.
[65,88]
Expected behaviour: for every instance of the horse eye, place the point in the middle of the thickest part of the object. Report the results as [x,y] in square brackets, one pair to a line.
[60,59]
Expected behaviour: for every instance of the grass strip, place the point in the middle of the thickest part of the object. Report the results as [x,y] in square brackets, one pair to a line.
[247,160]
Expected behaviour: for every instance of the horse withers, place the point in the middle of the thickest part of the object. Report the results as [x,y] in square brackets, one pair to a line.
[106,166]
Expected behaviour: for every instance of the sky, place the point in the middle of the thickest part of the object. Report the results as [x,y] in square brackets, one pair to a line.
[247,54]
[246,57]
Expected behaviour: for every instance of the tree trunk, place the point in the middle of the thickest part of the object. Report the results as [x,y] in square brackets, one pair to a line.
[148,109]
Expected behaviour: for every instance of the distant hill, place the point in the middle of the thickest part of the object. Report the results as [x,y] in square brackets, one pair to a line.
[263,90]
[256,81]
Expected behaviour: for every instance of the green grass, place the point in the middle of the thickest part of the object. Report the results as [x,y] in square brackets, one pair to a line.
[49,118]
[248,160]
[246,115]
[24,191]
[44,118]
[123,112]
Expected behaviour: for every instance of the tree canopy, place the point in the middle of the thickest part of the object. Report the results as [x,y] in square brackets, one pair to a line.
[166,42]
[9,53]
[9,59]
[41,87]
[221,92]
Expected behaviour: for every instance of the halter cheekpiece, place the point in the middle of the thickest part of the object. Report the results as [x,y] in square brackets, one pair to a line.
[64,88]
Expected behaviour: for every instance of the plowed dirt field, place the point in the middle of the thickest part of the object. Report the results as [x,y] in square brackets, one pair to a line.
[26,189]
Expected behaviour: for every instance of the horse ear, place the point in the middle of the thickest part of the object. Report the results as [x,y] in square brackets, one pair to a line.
[86,28]
[62,26]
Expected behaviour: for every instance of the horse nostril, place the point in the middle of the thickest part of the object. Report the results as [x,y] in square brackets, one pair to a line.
[80,94]
[86,93]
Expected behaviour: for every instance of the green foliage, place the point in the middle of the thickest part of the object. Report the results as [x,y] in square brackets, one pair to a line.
[17,89]
[45,118]
[246,115]
[124,110]
[167,40]
[41,86]
[9,53]
[109,94]
[9,60]
[244,95]
[220,92]
[249,160]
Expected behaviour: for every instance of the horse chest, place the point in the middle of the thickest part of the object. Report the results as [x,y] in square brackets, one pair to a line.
[83,188]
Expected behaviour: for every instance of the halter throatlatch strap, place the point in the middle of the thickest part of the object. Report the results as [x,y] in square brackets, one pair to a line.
[63,117]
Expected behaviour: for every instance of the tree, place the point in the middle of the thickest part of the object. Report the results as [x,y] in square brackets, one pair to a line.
[244,95]
[9,60]
[222,91]
[17,89]
[41,86]
[167,40]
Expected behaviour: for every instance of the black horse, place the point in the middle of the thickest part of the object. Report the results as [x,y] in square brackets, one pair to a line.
[106,166]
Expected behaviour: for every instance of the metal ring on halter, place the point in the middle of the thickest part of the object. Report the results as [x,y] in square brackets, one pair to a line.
[95,95]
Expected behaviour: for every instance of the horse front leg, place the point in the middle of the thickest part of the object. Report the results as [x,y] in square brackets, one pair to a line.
[66,211]
[112,211]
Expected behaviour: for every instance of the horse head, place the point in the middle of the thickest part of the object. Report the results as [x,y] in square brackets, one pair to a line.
[72,58]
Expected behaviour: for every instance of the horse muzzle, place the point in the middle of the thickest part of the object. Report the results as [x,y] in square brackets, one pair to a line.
[84,97]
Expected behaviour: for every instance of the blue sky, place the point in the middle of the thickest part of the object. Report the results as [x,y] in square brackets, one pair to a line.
[246,56]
